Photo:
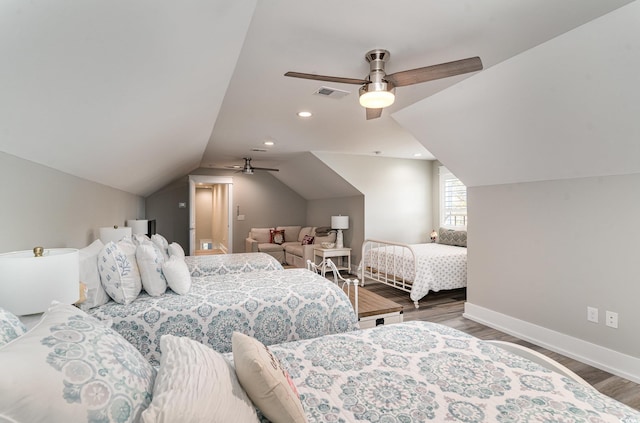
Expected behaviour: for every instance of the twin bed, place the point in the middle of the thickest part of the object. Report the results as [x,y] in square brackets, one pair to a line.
[416,268]
[250,293]
[421,371]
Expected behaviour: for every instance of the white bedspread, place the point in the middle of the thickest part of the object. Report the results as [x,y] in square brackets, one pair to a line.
[438,266]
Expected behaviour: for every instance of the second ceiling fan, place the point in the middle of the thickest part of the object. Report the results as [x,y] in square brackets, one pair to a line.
[247,169]
[377,89]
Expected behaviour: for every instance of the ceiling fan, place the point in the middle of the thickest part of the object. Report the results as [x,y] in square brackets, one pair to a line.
[247,169]
[377,90]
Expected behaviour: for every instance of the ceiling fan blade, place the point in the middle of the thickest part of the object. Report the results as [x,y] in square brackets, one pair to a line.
[373,113]
[265,168]
[326,78]
[430,73]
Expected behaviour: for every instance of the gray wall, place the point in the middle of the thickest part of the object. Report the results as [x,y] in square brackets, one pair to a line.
[261,198]
[172,222]
[544,251]
[43,206]
[319,213]
[397,194]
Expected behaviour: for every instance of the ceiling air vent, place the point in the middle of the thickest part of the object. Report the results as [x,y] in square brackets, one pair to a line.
[331,92]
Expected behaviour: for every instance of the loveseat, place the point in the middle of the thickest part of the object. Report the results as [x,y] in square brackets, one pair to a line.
[291,245]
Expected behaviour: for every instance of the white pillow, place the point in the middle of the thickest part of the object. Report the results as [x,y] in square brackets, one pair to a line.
[177,274]
[10,327]
[176,249]
[196,384]
[140,239]
[89,275]
[119,272]
[70,367]
[265,380]
[150,259]
[161,242]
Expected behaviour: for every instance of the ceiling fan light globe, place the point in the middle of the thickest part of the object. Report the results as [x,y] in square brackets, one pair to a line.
[376,96]
[377,99]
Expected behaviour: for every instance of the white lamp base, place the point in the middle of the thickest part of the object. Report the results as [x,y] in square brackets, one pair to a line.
[339,239]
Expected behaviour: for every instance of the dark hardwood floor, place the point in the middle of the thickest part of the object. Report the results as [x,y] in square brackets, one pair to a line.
[446,307]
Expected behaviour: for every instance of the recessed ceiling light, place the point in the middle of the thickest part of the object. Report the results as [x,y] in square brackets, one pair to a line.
[304,114]
[417,155]
[268,142]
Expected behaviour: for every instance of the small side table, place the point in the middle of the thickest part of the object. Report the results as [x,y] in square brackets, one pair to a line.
[325,253]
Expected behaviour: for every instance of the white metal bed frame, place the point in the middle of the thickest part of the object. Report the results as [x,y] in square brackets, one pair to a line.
[399,280]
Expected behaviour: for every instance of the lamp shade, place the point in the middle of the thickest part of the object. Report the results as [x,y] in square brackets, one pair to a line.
[29,284]
[339,222]
[138,227]
[114,234]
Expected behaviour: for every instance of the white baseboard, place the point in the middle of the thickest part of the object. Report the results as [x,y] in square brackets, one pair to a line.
[594,355]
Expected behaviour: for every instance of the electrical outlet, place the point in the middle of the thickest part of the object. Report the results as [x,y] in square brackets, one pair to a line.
[592,314]
[612,319]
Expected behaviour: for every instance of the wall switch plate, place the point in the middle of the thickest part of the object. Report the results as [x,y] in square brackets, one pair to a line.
[592,314]
[241,217]
[611,319]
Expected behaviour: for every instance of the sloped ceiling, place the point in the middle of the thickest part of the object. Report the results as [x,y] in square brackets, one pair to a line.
[134,94]
[124,93]
[318,180]
[565,109]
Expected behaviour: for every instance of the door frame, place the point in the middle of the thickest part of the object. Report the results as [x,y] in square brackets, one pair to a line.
[207,179]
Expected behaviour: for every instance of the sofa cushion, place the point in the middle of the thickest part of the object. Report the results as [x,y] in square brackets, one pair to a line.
[267,246]
[291,233]
[294,248]
[262,235]
[307,230]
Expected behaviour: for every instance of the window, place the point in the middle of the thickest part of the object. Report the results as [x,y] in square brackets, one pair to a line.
[453,200]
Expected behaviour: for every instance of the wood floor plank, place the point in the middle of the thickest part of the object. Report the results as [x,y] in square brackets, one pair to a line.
[447,307]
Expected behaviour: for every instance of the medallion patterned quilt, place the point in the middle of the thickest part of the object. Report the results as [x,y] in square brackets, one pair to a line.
[438,266]
[273,307]
[220,264]
[421,371]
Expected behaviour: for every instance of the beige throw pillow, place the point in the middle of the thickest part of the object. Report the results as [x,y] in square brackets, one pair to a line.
[265,381]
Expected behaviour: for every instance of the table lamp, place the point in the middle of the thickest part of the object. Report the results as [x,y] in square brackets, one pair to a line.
[31,280]
[114,233]
[339,223]
[138,227]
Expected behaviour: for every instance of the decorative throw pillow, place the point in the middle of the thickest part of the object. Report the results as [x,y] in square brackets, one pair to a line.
[140,239]
[196,384]
[177,273]
[307,240]
[176,249]
[452,237]
[119,272]
[71,367]
[10,327]
[268,385]
[89,275]
[277,236]
[161,242]
[150,259]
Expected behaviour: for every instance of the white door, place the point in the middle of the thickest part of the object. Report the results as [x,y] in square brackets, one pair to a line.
[195,180]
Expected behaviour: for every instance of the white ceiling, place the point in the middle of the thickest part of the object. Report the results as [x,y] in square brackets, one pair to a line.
[133,94]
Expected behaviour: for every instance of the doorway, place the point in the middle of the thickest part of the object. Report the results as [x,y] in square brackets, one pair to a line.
[210,224]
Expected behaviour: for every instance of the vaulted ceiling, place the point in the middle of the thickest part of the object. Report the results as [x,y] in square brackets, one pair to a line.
[133,94]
